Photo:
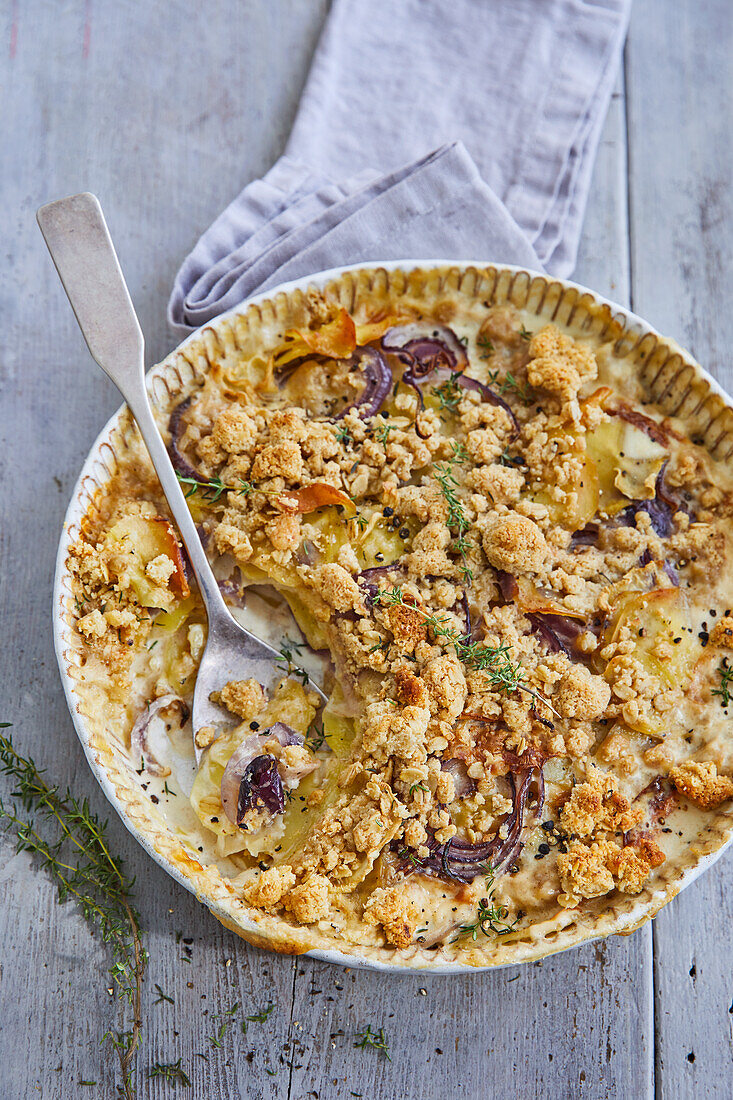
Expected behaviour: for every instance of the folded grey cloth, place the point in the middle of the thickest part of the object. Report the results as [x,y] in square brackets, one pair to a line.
[510,96]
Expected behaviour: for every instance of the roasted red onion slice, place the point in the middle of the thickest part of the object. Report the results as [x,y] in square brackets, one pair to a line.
[460,861]
[261,788]
[249,750]
[462,782]
[426,348]
[672,573]
[232,590]
[587,536]
[507,585]
[467,616]
[559,631]
[180,463]
[378,383]
[139,747]
[658,512]
[367,579]
[645,424]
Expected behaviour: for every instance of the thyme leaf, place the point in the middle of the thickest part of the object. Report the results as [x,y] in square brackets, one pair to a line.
[726,675]
[490,918]
[376,1039]
[449,393]
[170,1072]
[290,667]
[457,517]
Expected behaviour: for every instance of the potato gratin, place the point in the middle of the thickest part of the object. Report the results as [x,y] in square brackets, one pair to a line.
[513,575]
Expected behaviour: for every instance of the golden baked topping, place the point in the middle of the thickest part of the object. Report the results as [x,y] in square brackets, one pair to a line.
[515,574]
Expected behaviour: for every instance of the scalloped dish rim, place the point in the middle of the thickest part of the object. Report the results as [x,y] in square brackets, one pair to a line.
[638,913]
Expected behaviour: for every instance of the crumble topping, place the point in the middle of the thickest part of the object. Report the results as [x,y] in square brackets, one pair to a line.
[518,572]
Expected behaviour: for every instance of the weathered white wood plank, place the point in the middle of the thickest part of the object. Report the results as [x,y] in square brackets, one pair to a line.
[166,111]
[680,85]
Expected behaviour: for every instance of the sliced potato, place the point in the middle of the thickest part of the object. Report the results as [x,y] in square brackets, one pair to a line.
[627,463]
[380,544]
[169,621]
[338,726]
[581,497]
[659,624]
[531,598]
[137,541]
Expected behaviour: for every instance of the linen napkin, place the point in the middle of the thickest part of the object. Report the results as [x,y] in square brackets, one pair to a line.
[451,129]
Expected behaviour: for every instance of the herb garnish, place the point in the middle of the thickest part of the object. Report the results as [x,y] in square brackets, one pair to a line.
[375,1039]
[509,382]
[79,861]
[315,737]
[457,517]
[290,668]
[170,1072]
[258,1017]
[210,490]
[381,432]
[343,435]
[486,344]
[449,393]
[504,674]
[419,786]
[489,916]
[726,675]
[162,996]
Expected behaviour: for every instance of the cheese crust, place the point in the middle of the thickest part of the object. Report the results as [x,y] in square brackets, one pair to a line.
[518,564]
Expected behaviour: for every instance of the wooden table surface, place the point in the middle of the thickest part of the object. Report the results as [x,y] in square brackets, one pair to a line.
[165,110]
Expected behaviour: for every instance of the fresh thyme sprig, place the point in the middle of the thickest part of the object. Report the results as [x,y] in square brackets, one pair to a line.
[726,675]
[381,432]
[79,861]
[485,343]
[460,454]
[376,1039]
[457,518]
[490,918]
[343,435]
[290,667]
[419,786]
[258,1017]
[315,737]
[496,662]
[170,1072]
[509,382]
[212,490]
[449,393]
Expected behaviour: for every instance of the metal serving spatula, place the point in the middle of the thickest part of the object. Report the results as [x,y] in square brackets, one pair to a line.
[81,247]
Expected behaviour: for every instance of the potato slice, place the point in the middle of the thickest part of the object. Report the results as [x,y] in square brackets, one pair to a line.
[139,540]
[531,598]
[582,497]
[171,620]
[664,641]
[627,462]
[338,726]
[380,544]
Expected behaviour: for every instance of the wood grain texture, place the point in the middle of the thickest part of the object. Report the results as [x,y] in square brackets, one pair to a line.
[680,84]
[166,111]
